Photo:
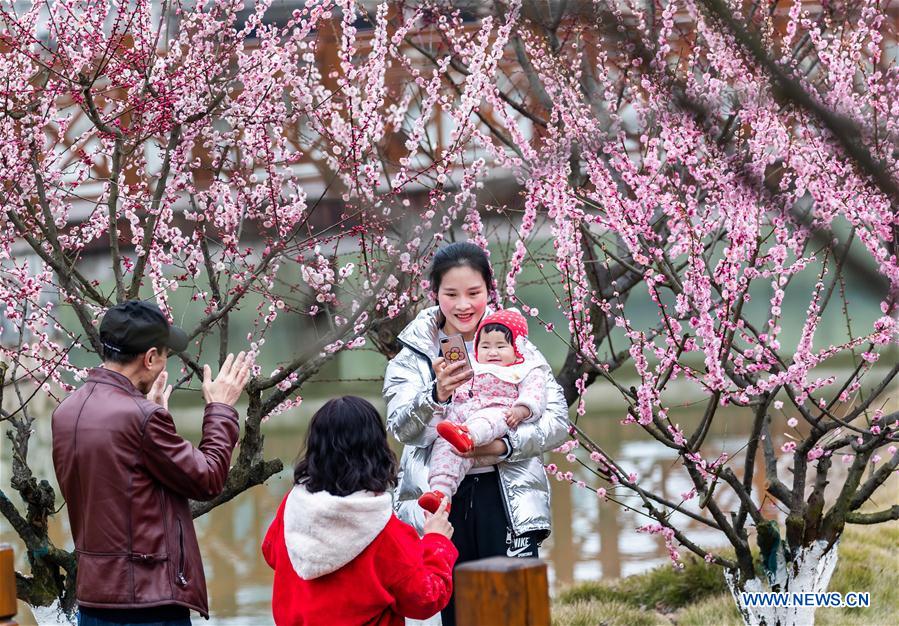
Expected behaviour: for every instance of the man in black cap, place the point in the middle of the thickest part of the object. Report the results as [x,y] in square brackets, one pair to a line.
[127,476]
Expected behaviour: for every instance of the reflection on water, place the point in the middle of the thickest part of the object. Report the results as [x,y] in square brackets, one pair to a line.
[591,539]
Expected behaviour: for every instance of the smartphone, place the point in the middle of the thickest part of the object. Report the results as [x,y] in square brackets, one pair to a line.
[453,350]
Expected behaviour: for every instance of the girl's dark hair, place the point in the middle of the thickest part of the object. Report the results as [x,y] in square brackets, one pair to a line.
[460,254]
[494,327]
[346,450]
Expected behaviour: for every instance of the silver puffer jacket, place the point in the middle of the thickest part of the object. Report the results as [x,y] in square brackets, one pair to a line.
[412,415]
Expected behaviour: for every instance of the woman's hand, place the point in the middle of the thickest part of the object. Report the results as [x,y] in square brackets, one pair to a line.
[497,447]
[448,377]
[439,521]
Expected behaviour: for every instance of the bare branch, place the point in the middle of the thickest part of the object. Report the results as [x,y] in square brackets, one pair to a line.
[876,480]
[775,487]
[879,517]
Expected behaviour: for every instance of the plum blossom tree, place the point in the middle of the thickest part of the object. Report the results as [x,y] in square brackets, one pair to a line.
[708,157]
[704,156]
[212,153]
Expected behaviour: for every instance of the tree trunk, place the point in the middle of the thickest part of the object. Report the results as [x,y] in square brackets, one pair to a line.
[809,571]
[52,615]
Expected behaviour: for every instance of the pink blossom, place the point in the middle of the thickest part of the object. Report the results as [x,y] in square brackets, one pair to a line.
[814,454]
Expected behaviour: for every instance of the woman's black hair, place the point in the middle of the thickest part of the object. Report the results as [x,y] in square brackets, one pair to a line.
[494,327]
[346,450]
[460,254]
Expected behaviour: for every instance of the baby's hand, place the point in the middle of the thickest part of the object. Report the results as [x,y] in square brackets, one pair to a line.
[516,415]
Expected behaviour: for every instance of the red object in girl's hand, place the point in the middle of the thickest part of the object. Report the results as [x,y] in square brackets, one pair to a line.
[430,501]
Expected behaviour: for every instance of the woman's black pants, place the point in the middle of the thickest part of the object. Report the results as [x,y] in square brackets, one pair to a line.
[481,528]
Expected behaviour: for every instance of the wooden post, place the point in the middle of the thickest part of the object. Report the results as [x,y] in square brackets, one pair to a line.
[7,586]
[502,591]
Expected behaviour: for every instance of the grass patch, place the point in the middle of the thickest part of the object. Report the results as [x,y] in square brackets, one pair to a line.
[720,610]
[607,613]
[868,560]
[662,588]
[697,595]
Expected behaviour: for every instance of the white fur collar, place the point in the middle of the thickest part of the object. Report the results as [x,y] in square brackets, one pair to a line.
[514,373]
[508,373]
[325,532]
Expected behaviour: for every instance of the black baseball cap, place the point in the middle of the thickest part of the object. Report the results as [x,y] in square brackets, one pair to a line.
[135,326]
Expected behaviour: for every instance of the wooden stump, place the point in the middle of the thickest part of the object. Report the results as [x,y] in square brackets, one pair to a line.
[7,586]
[502,591]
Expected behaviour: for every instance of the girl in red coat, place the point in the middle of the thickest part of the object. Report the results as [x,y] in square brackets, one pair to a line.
[340,555]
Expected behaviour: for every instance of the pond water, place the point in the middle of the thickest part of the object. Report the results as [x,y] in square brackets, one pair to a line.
[590,540]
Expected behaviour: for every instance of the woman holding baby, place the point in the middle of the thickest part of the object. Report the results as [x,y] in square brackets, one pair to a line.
[474,429]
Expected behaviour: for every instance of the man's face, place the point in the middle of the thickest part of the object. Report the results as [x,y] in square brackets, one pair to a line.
[153,362]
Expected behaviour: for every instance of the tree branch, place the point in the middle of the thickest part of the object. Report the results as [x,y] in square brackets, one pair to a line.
[845,130]
[153,213]
[874,518]
[775,487]
[876,480]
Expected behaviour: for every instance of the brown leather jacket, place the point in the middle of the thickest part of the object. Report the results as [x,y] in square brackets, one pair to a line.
[126,476]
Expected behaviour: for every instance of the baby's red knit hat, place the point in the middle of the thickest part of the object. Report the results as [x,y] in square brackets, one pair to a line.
[511,319]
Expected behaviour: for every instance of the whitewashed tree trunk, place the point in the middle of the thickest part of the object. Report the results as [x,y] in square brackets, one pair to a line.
[809,572]
[52,615]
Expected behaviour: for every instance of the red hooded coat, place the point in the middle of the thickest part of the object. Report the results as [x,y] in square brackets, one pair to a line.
[346,561]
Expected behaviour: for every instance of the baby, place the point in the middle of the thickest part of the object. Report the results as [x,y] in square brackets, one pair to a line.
[505,390]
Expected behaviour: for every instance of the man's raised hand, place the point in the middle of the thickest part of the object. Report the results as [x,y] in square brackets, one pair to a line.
[229,384]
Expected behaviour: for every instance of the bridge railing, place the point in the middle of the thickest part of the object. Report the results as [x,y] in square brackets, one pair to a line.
[500,591]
